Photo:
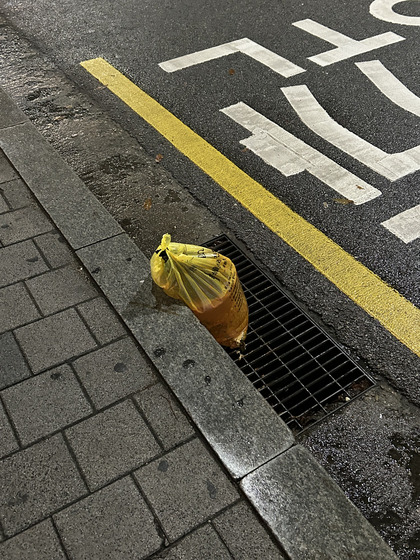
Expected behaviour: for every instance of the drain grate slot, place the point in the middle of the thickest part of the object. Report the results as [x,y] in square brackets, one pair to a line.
[300,371]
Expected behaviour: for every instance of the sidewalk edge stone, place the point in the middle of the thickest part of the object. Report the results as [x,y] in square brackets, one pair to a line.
[79,215]
[242,428]
[308,513]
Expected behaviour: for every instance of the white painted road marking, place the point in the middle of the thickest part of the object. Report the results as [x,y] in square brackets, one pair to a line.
[390,86]
[405,225]
[274,61]
[346,46]
[290,156]
[382,9]
[391,166]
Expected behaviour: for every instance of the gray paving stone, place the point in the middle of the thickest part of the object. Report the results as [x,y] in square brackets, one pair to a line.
[58,289]
[45,403]
[120,258]
[102,320]
[185,487]
[202,544]
[36,482]
[55,339]
[20,261]
[244,535]
[16,307]
[22,224]
[112,524]
[112,443]
[164,414]
[13,367]
[8,442]
[10,113]
[78,214]
[114,371]
[239,424]
[55,249]
[309,513]
[3,205]
[7,172]
[17,194]
[40,542]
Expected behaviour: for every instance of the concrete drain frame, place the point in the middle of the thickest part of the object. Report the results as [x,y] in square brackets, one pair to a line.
[296,366]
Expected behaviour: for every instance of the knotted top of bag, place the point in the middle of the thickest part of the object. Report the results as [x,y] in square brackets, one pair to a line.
[196,275]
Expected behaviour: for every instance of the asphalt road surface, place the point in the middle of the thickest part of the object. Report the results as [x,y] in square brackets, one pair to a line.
[332,80]
[375,101]
[136,36]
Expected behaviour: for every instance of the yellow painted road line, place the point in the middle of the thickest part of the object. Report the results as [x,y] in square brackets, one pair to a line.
[390,308]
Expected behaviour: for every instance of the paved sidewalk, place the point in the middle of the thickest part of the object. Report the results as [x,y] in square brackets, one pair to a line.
[98,459]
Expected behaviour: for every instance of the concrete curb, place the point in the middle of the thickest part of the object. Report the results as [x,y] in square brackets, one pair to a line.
[307,512]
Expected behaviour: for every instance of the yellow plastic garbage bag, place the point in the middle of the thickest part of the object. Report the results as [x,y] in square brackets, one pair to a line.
[208,283]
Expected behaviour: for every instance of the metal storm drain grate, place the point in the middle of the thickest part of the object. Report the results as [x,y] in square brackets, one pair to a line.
[295,365]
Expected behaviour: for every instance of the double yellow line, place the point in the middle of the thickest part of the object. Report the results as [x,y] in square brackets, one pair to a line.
[390,308]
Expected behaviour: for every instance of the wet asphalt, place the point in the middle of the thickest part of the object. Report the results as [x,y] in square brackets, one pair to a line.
[372,446]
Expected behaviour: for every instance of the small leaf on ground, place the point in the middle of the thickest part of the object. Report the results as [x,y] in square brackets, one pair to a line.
[158,158]
[147,204]
[343,201]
